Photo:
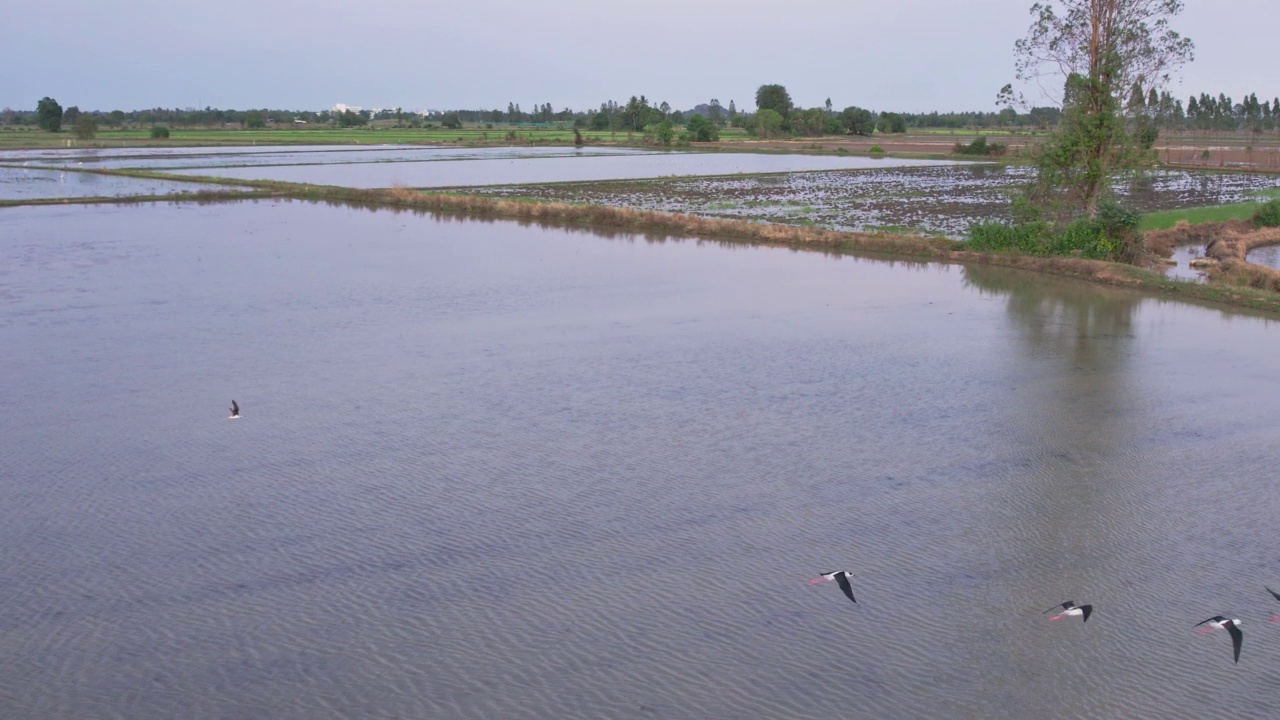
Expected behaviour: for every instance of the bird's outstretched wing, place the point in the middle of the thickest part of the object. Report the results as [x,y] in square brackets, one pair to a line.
[843,581]
[1215,618]
[1274,594]
[1059,606]
[1086,609]
[1237,638]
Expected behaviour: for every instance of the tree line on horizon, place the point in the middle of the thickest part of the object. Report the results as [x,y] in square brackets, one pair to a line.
[775,115]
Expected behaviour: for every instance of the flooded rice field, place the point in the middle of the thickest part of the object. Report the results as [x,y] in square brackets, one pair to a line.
[934,199]
[1269,256]
[30,183]
[220,157]
[485,470]
[586,167]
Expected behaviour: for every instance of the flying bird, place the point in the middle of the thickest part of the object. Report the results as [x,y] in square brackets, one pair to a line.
[1232,626]
[842,579]
[1275,595]
[235,411]
[1070,609]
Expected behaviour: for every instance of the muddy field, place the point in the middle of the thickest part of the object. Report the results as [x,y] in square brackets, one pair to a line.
[937,200]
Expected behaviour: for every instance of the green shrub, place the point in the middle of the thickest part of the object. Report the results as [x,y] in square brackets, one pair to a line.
[1267,215]
[1112,235]
[877,149]
[1084,237]
[159,132]
[1027,238]
[980,146]
[702,130]
[86,126]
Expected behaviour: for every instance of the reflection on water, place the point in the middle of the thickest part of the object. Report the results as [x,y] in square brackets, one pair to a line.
[21,183]
[493,471]
[552,169]
[216,157]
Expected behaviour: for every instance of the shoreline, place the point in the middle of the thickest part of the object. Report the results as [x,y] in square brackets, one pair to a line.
[649,223]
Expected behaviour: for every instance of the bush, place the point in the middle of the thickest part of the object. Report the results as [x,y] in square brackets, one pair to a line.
[1111,235]
[1027,238]
[980,147]
[876,149]
[702,130]
[662,132]
[159,132]
[86,126]
[1267,215]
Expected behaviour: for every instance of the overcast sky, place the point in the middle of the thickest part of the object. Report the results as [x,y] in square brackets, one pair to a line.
[309,54]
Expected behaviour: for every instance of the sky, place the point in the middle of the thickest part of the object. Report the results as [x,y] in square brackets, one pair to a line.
[905,55]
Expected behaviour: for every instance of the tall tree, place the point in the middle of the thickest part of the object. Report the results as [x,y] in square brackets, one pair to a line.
[1104,48]
[715,111]
[49,114]
[857,121]
[775,98]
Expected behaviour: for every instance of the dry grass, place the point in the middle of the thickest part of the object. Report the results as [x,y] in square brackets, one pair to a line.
[1162,243]
[659,225]
[1229,244]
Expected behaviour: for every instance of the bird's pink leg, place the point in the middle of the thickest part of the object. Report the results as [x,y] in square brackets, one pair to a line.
[1275,619]
[1205,630]
[818,580]
[1057,617]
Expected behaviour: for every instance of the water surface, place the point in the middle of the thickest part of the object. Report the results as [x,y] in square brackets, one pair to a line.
[30,183]
[553,169]
[219,157]
[1269,256]
[493,471]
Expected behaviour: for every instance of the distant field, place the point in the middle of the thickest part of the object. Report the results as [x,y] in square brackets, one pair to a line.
[478,135]
[1239,151]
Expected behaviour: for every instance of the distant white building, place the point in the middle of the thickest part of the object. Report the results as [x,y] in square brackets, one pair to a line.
[340,108]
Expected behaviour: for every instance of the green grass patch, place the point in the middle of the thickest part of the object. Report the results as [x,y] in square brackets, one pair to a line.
[1195,215]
